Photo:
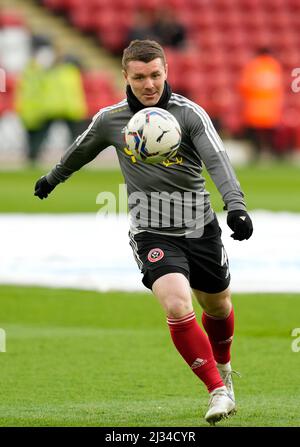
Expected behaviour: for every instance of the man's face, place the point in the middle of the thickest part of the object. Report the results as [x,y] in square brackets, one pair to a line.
[146,80]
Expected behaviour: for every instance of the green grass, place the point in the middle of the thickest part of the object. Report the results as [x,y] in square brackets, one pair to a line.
[78,358]
[78,194]
[275,187]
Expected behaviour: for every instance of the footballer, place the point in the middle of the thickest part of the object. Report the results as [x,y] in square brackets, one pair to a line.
[175,260]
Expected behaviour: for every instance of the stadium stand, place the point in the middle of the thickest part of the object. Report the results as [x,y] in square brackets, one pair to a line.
[14,43]
[218,32]
[15,39]
[21,26]
[222,36]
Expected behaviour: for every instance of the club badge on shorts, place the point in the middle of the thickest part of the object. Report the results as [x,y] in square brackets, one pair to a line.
[156,254]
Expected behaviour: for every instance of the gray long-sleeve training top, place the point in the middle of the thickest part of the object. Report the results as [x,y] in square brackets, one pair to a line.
[169,197]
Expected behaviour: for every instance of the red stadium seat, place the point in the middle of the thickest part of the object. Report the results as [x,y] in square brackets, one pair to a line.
[149,4]
[288,136]
[7,97]
[232,122]
[293,6]
[230,21]
[99,91]
[210,40]
[201,97]
[187,17]
[238,59]
[113,39]
[250,5]
[280,22]
[235,40]
[188,61]
[206,20]
[224,35]
[285,41]
[274,6]
[82,19]
[257,21]
[262,38]
[111,20]
[126,4]
[213,61]
[104,4]
[11,19]
[175,5]
[191,82]
[94,81]
[55,5]
[226,6]
[220,80]
[290,59]
[174,80]
[294,20]
[71,5]
[103,21]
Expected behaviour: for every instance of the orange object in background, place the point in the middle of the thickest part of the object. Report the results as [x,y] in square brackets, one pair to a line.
[261,88]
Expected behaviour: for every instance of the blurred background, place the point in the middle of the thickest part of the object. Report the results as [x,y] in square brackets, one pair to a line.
[60,63]
[73,308]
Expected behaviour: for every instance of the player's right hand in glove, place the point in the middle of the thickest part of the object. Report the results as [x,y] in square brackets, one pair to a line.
[43,188]
[240,223]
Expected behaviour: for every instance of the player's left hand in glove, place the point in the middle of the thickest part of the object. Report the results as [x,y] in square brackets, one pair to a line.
[240,223]
[43,188]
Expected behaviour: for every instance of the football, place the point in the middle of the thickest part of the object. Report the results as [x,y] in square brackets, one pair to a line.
[153,135]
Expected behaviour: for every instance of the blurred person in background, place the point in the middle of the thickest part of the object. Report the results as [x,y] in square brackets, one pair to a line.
[50,89]
[15,40]
[64,95]
[29,94]
[261,89]
[167,30]
[142,27]
[160,25]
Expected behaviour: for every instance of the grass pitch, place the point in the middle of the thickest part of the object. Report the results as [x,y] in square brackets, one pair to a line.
[77,358]
[274,187]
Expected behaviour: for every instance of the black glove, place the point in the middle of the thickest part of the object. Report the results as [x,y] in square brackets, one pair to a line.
[43,188]
[240,223]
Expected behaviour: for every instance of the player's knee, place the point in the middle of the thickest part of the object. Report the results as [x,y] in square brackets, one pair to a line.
[178,306]
[220,308]
[217,305]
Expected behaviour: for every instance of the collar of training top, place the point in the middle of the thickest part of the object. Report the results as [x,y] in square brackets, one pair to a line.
[135,105]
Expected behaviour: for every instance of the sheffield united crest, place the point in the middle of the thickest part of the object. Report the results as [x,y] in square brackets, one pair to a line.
[156,254]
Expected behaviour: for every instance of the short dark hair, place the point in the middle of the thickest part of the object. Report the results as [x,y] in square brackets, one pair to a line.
[144,51]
